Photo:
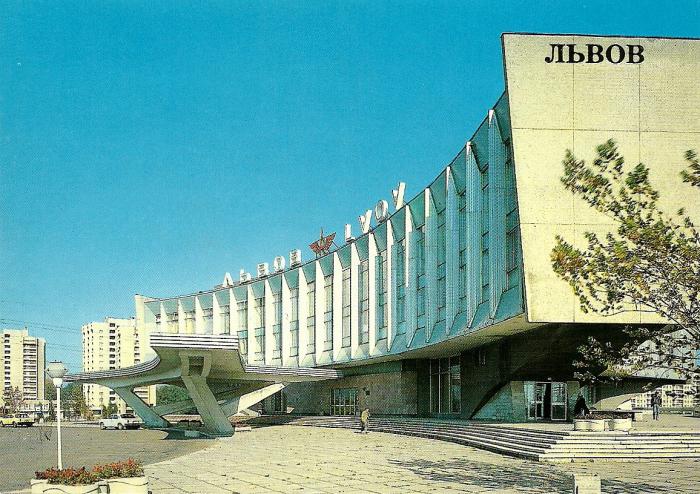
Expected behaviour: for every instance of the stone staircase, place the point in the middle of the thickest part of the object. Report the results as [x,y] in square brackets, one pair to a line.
[533,444]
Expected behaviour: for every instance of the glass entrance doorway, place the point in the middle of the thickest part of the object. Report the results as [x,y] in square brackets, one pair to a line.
[445,386]
[545,400]
[344,402]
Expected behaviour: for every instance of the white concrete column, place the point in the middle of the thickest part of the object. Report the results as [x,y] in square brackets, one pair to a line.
[251,330]
[497,213]
[390,284]
[411,296]
[198,317]
[337,305]
[303,314]
[181,326]
[452,252]
[216,315]
[372,290]
[320,310]
[354,300]
[232,312]
[473,232]
[269,320]
[430,245]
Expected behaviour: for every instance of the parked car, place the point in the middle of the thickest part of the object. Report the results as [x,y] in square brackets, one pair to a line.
[16,420]
[120,421]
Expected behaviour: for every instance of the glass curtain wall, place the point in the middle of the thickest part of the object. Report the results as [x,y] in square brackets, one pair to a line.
[400,268]
[277,325]
[328,314]
[242,309]
[381,284]
[420,276]
[445,386]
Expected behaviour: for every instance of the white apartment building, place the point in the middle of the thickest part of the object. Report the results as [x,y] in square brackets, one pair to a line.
[23,360]
[672,396]
[113,344]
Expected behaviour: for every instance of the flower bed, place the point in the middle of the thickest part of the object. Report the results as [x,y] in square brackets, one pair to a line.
[116,478]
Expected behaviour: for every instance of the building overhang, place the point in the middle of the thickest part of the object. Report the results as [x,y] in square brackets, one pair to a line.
[224,364]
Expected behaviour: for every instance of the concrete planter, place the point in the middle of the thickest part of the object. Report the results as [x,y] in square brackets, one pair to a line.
[130,485]
[597,425]
[582,425]
[43,487]
[619,424]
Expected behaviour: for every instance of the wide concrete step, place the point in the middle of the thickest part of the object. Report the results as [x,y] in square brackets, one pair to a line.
[497,441]
[474,434]
[555,446]
[495,446]
[618,456]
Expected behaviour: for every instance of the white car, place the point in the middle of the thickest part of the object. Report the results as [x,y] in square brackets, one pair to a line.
[120,421]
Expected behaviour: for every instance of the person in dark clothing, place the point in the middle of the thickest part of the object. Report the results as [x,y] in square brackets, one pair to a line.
[580,408]
[656,404]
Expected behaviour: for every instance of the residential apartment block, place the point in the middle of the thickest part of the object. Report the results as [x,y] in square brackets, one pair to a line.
[23,361]
[113,344]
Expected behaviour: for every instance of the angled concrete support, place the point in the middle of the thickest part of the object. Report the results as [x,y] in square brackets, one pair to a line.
[247,400]
[148,415]
[195,369]
[213,417]
[222,396]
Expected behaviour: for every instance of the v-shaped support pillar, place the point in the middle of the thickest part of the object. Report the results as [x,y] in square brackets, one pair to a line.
[195,369]
[148,415]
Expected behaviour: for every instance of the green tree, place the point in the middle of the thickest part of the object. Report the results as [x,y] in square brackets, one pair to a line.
[73,400]
[49,390]
[650,262]
[109,409]
[167,394]
[13,399]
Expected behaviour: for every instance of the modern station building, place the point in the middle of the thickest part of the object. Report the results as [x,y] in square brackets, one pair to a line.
[446,305]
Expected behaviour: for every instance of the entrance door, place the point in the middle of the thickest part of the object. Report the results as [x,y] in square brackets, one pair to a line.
[545,400]
[558,401]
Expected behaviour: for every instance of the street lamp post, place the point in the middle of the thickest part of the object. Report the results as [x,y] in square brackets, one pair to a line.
[56,371]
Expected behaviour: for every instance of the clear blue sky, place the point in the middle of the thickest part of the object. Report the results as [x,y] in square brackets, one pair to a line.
[149,147]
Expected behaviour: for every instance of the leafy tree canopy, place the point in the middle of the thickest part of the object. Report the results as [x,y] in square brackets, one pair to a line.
[650,262]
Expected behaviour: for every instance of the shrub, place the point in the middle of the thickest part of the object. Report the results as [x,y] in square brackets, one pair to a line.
[82,476]
[67,476]
[128,468]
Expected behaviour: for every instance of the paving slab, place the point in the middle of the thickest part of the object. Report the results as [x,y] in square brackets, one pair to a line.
[321,460]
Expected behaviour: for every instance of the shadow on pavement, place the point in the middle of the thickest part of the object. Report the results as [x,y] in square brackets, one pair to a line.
[523,478]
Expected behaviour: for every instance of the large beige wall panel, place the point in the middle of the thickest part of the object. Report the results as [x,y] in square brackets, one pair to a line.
[547,88]
[606,99]
[652,109]
[670,98]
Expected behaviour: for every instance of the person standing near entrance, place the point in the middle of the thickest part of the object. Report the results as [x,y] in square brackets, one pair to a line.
[656,404]
[364,421]
[580,408]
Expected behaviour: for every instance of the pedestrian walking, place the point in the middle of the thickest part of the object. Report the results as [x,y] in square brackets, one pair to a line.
[656,404]
[364,421]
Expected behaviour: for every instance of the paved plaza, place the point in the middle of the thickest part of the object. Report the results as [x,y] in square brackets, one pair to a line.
[25,450]
[291,459]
